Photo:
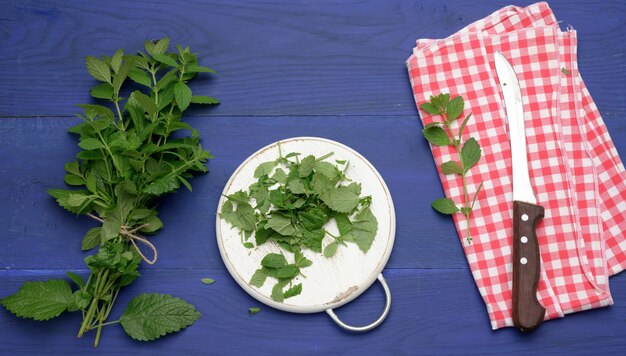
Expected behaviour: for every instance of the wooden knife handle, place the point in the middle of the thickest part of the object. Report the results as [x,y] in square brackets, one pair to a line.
[528,313]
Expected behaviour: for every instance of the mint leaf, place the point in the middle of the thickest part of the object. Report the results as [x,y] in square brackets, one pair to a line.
[39,300]
[281,225]
[165,59]
[327,169]
[454,108]
[161,46]
[207,280]
[277,291]
[451,167]
[200,69]
[274,260]
[76,279]
[182,93]
[71,199]
[364,228]
[98,69]
[203,99]
[258,278]
[150,316]
[445,206]
[470,154]
[436,136]
[341,199]
[296,186]
[293,291]
[254,310]
[429,108]
[330,249]
[140,77]
[102,91]
[306,166]
[90,144]
[91,239]
[116,60]
[265,169]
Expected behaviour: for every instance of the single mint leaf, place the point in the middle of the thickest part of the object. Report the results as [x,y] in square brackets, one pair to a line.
[265,168]
[116,60]
[455,108]
[445,206]
[110,229]
[150,316]
[277,291]
[203,99]
[76,279]
[285,272]
[207,280]
[258,278]
[330,249]
[102,91]
[313,220]
[245,214]
[451,167]
[153,224]
[430,108]
[200,69]
[343,223]
[39,300]
[91,239]
[140,77]
[248,245]
[254,310]
[565,71]
[436,136]
[364,229]
[182,93]
[470,154]
[306,166]
[274,260]
[98,69]
[281,225]
[327,169]
[163,185]
[464,123]
[161,46]
[90,144]
[165,59]
[279,176]
[293,291]
[296,186]
[340,199]
[69,199]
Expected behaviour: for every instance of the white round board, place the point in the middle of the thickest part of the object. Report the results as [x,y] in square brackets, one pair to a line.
[329,282]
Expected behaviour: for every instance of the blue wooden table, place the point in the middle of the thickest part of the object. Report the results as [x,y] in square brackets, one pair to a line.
[332,69]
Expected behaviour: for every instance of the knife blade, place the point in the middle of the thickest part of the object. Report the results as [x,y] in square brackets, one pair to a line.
[528,313]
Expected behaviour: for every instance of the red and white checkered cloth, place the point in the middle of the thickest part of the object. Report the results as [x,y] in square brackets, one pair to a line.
[575,169]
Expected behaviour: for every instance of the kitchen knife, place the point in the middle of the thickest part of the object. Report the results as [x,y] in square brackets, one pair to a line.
[528,313]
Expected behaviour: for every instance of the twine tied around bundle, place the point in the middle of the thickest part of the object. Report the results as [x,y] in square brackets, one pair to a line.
[132,237]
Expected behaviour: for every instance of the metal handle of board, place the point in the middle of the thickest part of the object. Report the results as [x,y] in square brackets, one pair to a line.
[378,321]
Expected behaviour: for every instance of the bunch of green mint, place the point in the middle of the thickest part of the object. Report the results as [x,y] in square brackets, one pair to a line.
[439,133]
[290,204]
[128,160]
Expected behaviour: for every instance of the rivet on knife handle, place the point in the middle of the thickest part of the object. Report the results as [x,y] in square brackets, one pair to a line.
[528,313]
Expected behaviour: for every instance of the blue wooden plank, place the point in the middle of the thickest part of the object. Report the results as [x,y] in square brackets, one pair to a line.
[36,226]
[283,57]
[433,312]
